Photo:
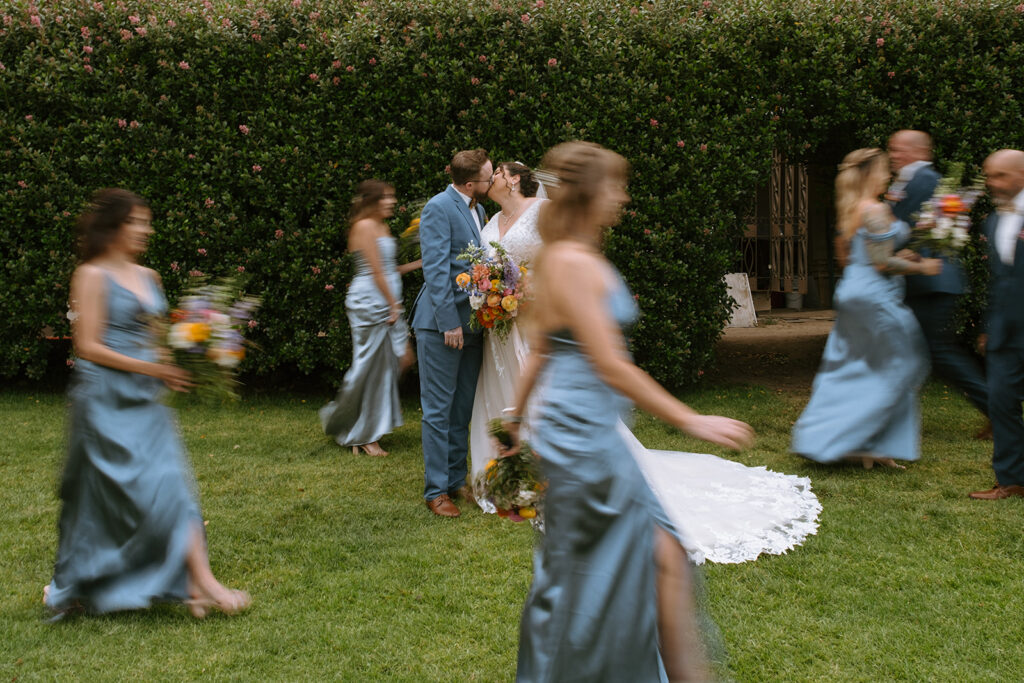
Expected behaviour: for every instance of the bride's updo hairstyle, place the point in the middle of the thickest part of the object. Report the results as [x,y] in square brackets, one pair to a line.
[527,184]
[368,195]
[99,225]
[860,168]
[574,175]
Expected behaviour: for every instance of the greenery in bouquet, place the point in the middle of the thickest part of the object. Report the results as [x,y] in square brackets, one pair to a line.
[513,483]
[944,222]
[497,288]
[204,333]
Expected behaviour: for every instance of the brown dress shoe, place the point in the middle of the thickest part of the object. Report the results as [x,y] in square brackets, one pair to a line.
[442,506]
[999,492]
[463,492]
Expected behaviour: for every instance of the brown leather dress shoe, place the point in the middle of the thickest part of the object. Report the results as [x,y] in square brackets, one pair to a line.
[999,492]
[463,492]
[442,506]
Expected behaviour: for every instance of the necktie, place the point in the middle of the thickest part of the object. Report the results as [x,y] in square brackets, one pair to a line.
[472,203]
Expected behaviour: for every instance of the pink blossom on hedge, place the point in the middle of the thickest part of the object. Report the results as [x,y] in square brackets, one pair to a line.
[703,148]
[474,81]
[314,77]
[552,62]
[201,251]
[88,68]
[85,31]
[175,267]
[373,61]
[253,324]
[126,34]
[313,16]
[482,58]
[315,269]
[525,18]
[892,74]
[539,4]
[278,234]
[28,117]
[350,68]
[133,124]
[329,288]
[681,143]
[209,203]
[225,22]
[257,168]
[183,66]
[654,123]
[240,269]
[171,23]
[133,18]
[257,37]
[195,273]
[244,129]
[36,20]
[22,184]
[121,123]
[336,80]
[87,49]
[98,6]
[140,31]
[880,42]
[296,3]
[336,64]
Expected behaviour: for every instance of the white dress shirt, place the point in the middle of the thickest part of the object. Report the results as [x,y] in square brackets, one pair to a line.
[1008,229]
[476,215]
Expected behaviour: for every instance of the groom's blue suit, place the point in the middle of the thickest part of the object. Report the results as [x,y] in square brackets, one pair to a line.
[447,376]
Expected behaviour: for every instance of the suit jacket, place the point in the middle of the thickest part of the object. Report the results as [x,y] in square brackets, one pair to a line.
[952,279]
[446,227]
[1005,320]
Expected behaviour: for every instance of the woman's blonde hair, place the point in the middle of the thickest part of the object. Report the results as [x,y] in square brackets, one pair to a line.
[856,171]
[574,175]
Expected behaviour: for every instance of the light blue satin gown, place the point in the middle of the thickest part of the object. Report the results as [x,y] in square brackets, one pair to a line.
[129,507]
[865,395]
[591,613]
[367,406]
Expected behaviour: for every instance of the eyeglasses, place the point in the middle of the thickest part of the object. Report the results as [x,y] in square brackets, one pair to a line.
[489,181]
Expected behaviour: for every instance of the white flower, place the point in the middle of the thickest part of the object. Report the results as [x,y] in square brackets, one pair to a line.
[526,497]
[177,337]
[476,301]
[943,228]
[959,236]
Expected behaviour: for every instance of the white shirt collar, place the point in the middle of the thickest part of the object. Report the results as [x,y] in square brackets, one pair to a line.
[906,173]
[1018,202]
[466,198]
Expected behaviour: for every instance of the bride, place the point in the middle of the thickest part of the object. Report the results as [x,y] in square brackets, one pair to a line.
[726,512]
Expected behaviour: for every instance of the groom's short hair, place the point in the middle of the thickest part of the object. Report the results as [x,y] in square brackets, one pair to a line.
[466,165]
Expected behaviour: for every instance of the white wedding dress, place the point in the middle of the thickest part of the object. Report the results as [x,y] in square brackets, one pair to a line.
[725,512]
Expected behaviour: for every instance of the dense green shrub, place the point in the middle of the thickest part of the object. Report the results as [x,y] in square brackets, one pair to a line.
[248,124]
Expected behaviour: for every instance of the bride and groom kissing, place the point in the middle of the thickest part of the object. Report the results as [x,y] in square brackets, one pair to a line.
[464,376]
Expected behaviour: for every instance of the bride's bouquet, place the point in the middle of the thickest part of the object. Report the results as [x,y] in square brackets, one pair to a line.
[513,483]
[204,334]
[497,288]
[944,221]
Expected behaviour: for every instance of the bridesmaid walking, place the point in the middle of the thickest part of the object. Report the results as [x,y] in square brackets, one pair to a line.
[367,407]
[611,598]
[130,530]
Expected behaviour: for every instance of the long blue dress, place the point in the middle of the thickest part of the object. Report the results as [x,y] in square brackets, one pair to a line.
[864,397]
[128,494]
[591,613]
[367,406]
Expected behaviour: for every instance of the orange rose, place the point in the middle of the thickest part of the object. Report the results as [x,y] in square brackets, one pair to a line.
[952,203]
[494,300]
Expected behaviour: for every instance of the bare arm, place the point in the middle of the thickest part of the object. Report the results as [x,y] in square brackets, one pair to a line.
[577,282]
[89,303]
[879,219]
[410,266]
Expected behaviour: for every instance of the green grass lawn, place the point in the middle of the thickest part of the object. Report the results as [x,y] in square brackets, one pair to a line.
[353,579]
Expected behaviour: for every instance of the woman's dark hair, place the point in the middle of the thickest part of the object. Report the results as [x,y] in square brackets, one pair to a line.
[368,195]
[527,183]
[98,226]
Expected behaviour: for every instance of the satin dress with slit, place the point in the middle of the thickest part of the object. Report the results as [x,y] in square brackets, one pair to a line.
[367,406]
[591,613]
[129,509]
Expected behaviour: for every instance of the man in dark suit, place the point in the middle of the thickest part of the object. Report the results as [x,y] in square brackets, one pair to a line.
[1003,341]
[933,299]
[449,351]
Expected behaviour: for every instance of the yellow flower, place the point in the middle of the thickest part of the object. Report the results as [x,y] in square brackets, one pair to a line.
[510,303]
[495,284]
[197,332]
[491,463]
[462,280]
[527,512]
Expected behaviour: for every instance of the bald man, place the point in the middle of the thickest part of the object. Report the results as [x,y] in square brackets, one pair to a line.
[1003,340]
[934,299]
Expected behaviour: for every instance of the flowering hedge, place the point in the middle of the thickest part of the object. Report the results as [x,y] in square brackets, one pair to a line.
[248,124]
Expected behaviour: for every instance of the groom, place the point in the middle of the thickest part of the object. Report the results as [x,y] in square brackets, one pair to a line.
[449,353]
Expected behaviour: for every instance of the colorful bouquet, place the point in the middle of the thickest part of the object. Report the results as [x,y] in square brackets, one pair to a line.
[204,334]
[496,285]
[944,221]
[513,483]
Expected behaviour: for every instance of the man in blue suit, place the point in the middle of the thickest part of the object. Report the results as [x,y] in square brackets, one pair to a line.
[1003,341]
[933,299]
[449,352]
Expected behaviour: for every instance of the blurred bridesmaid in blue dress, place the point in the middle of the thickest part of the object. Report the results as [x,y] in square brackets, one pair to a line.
[130,529]
[611,598]
[864,404]
[367,407]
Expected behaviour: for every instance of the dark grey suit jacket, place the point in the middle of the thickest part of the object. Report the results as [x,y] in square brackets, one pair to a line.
[1005,320]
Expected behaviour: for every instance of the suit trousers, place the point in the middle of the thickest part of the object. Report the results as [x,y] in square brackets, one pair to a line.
[447,388]
[951,360]
[1005,393]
